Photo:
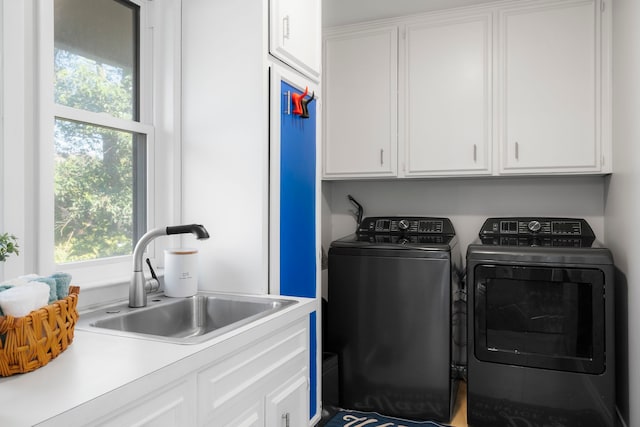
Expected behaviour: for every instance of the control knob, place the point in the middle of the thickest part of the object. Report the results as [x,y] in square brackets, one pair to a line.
[534,226]
[403,224]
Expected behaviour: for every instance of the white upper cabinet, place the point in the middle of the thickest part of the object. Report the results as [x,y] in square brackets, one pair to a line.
[553,91]
[360,88]
[295,34]
[446,97]
[518,87]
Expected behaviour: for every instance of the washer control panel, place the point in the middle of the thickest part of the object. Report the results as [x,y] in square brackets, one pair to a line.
[406,225]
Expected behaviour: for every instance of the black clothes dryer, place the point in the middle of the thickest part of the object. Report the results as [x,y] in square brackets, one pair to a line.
[540,325]
[393,289]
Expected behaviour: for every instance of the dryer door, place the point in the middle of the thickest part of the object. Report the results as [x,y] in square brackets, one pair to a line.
[541,317]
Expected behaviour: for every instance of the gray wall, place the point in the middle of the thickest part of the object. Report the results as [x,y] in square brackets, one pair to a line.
[467,202]
[622,203]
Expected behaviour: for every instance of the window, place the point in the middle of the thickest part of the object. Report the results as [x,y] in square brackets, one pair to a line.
[100,146]
[79,149]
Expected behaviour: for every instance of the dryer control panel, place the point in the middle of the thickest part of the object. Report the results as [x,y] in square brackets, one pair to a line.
[536,226]
[537,231]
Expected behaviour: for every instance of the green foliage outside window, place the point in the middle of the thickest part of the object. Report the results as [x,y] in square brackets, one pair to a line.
[8,246]
[93,165]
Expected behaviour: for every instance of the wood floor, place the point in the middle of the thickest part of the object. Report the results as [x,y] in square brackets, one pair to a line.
[460,409]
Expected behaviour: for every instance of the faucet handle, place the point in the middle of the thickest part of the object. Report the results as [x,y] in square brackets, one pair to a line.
[153,273]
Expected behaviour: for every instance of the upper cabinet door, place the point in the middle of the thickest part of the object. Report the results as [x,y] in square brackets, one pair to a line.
[360,105]
[446,97]
[551,89]
[295,34]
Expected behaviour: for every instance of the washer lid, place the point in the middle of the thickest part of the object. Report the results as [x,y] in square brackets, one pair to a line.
[441,242]
[526,255]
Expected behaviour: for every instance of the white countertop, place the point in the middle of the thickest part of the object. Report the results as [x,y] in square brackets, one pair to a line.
[96,364]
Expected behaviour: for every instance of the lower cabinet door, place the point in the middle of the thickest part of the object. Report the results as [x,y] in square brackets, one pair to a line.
[288,406]
[251,417]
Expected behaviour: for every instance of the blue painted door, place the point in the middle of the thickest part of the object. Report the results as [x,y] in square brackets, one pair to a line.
[298,213]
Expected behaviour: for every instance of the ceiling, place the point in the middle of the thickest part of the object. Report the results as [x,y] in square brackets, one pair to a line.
[341,12]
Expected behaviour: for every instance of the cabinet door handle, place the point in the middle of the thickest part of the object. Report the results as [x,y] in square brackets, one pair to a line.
[475,153]
[286,417]
[381,157]
[285,27]
[517,151]
[287,97]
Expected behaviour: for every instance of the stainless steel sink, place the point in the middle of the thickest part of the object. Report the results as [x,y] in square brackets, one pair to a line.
[181,320]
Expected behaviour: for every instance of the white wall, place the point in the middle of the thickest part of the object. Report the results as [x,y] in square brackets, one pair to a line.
[17,163]
[622,203]
[225,140]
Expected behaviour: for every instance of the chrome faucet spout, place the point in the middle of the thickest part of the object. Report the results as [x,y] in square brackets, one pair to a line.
[139,285]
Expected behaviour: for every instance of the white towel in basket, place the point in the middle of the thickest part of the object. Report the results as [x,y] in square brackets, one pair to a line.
[21,300]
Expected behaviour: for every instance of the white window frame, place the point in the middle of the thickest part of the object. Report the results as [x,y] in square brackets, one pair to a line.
[27,126]
[94,271]
[17,130]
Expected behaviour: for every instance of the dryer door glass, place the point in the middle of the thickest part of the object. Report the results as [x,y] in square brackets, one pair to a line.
[540,317]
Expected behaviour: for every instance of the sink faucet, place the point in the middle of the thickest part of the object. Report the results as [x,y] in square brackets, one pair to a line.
[139,285]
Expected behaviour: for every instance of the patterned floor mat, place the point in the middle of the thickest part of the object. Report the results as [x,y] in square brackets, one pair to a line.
[372,419]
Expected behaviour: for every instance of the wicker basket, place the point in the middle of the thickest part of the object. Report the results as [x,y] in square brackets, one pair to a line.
[31,341]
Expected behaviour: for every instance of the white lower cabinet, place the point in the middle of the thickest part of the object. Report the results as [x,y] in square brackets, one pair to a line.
[270,379]
[263,383]
[244,414]
[173,405]
[288,406]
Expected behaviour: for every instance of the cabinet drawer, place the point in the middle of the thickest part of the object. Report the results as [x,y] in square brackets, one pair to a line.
[172,406]
[250,414]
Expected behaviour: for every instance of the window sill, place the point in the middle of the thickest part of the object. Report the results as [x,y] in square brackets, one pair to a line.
[103,292]
[99,293]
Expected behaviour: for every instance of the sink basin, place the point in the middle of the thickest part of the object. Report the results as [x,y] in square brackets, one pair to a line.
[181,320]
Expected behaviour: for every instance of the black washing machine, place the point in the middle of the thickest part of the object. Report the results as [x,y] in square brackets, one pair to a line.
[540,325]
[394,316]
